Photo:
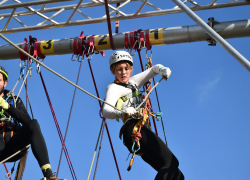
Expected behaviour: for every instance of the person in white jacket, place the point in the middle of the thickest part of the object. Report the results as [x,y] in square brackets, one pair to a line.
[125,95]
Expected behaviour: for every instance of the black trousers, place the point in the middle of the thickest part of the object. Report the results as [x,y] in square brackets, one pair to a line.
[155,152]
[30,133]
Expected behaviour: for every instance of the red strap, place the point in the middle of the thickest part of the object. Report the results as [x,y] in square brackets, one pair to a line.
[91,43]
[131,38]
[26,50]
[35,49]
[126,40]
[20,53]
[40,55]
[142,39]
[74,46]
[147,40]
[80,41]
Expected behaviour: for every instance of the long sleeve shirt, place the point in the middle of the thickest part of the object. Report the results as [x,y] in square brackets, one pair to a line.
[115,91]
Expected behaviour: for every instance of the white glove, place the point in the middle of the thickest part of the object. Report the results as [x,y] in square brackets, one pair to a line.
[130,111]
[165,72]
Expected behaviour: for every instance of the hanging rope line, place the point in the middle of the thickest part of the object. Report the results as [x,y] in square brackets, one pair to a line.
[57,73]
[100,131]
[160,111]
[6,170]
[156,132]
[117,22]
[147,96]
[29,100]
[59,131]
[72,104]
[99,151]
[21,167]
[104,119]
[109,25]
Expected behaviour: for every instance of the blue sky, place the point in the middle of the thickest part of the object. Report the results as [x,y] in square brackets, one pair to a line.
[205,103]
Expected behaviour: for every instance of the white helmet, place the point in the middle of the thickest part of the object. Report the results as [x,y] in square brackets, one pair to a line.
[120,56]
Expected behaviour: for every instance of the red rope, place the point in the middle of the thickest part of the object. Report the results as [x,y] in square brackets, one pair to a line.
[6,169]
[109,25]
[156,132]
[69,117]
[59,131]
[105,121]
[117,22]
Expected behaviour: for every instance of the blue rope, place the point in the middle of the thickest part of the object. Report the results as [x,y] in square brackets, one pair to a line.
[134,146]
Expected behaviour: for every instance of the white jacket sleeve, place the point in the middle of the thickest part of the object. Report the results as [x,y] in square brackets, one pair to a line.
[112,95]
[141,78]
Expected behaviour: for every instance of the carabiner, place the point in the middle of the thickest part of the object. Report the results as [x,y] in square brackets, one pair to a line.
[147,54]
[21,71]
[38,68]
[133,146]
[73,56]
[81,58]
[90,57]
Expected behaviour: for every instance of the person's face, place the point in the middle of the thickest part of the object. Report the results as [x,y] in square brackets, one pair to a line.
[2,84]
[122,72]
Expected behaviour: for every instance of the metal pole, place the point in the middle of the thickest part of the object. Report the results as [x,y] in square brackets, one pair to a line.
[214,34]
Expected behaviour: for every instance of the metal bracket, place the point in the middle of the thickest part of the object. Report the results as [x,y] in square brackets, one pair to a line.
[211,23]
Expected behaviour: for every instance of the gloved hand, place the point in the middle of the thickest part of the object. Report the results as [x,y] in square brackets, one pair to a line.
[165,72]
[130,111]
[3,104]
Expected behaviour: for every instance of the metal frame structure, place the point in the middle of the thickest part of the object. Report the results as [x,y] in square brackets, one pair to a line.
[213,31]
[90,20]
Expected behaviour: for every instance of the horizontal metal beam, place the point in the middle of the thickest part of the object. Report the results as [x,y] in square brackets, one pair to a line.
[161,36]
[31,3]
[115,18]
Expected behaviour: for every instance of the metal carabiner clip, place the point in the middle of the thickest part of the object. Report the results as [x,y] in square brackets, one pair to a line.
[81,58]
[38,68]
[133,147]
[90,57]
[73,56]
[147,54]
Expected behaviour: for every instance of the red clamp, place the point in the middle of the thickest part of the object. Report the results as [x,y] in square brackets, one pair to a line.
[77,44]
[91,47]
[147,40]
[131,38]
[36,49]
[21,55]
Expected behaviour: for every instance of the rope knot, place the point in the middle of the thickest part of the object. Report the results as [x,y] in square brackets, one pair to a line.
[138,136]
